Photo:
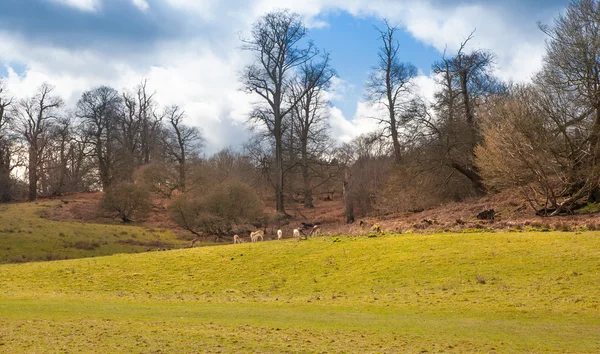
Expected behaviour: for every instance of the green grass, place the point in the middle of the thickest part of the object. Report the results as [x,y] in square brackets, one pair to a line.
[479,292]
[26,236]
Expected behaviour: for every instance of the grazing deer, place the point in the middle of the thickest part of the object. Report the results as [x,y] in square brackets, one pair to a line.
[297,234]
[256,234]
[237,239]
[279,234]
[315,230]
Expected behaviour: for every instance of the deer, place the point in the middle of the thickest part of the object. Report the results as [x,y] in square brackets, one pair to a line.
[315,230]
[279,234]
[256,234]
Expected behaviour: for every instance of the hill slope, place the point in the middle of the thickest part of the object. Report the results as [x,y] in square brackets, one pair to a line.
[26,235]
[510,292]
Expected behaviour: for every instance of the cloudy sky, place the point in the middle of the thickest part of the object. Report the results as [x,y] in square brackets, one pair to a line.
[190,49]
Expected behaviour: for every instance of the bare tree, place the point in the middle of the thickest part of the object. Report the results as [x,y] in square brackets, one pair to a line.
[466,79]
[34,119]
[5,147]
[275,43]
[54,172]
[572,65]
[99,111]
[309,120]
[180,141]
[390,85]
[140,128]
[367,164]
[128,200]
[227,206]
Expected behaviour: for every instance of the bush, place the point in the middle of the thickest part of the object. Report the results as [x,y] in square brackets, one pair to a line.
[229,204]
[129,200]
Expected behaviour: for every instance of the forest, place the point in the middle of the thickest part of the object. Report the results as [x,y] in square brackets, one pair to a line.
[478,136]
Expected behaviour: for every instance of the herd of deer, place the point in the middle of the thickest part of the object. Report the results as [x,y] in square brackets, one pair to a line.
[254,236]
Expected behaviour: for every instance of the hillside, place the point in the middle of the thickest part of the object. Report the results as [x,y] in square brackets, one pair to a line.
[26,234]
[511,212]
[477,292]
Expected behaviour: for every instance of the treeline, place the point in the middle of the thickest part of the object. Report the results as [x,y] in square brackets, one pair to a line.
[478,135]
[97,144]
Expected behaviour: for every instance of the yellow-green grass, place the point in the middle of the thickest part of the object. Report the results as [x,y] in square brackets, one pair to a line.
[26,236]
[478,292]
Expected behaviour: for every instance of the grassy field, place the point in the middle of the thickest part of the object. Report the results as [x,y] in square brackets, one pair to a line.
[26,236]
[453,293]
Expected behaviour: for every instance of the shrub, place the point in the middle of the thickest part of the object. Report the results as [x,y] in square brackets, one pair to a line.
[129,200]
[216,213]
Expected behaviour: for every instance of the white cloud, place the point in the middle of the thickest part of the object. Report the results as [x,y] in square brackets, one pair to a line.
[83,5]
[201,76]
[141,4]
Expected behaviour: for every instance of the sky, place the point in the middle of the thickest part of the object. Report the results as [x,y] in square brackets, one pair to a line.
[189,50]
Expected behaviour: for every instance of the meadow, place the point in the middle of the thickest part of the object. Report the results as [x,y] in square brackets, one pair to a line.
[456,293]
[26,235]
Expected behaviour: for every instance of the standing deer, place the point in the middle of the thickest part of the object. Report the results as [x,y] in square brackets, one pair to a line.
[256,234]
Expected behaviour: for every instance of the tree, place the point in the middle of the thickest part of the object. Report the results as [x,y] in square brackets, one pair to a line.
[227,205]
[140,125]
[366,165]
[34,119]
[309,119]
[275,43]
[5,147]
[523,149]
[180,141]
[466,79]
[390,85]
[128,200]
[59,152]
[99,111]
[572,69]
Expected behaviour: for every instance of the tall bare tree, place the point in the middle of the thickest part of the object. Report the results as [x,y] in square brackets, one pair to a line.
[180,141]
[276,44]
[310,124]
[390,85]
[572,65]
[99,111]
[5,147]
[140,128]
[34,118]
[465,79]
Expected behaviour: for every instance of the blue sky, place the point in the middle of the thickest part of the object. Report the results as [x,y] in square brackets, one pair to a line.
[189,49]
[354,42]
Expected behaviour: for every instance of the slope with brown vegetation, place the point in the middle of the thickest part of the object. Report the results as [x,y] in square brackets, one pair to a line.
[510,212]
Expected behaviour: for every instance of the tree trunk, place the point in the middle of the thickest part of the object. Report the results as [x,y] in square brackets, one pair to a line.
[468,111]
[279,167]
[308,198]
[5,187]
[44,179]
[182,176]
[33,178]
[182,161]
[473,176]
[395,140]
[348,202]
